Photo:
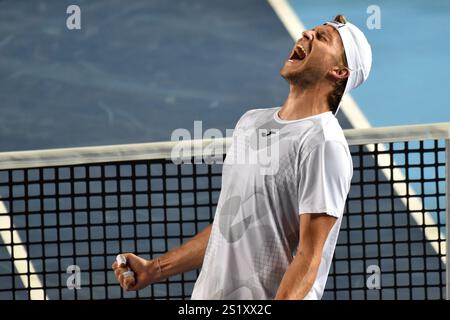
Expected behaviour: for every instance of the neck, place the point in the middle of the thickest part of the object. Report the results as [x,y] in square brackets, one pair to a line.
[302,103]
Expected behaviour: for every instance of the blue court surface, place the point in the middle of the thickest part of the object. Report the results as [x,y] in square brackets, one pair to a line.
[135,71]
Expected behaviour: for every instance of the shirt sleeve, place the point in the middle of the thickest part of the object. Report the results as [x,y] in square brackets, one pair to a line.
[324,179]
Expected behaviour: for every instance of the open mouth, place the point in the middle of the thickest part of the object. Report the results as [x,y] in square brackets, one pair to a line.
[299,53]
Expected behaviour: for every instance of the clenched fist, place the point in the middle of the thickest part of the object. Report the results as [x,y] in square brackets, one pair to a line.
[145,272]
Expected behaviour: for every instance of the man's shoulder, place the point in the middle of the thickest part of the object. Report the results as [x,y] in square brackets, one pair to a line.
[255,111]
[253,114]
[325,131]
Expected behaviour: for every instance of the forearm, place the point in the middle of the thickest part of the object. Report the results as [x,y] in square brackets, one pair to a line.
[186,257]
[299,277]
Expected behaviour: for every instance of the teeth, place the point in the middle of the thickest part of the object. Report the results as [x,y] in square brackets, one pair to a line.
[303,49]
[299,53]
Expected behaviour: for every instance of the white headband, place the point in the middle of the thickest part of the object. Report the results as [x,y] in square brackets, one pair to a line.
[357,51]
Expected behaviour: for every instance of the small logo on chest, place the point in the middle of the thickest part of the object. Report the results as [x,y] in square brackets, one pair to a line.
[264,134]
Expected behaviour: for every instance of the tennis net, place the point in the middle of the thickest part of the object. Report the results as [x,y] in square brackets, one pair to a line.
[66,213]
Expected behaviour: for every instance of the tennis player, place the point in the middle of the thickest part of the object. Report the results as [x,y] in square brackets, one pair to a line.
[274,234]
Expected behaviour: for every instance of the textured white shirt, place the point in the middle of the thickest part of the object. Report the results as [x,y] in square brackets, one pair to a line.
[274,171]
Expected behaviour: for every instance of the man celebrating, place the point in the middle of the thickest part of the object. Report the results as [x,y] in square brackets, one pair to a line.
[274,235]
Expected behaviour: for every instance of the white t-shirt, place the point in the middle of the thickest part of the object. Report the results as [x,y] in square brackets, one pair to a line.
[274,171]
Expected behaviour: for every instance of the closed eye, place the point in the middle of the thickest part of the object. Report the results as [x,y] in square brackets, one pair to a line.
[321,35]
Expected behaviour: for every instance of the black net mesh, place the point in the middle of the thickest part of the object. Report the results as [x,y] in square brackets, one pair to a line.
[83,215]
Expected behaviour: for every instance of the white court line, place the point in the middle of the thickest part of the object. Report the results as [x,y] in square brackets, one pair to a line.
[357,119]
[14,244]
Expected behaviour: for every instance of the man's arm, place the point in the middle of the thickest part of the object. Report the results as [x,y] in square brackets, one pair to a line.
[302,272]
[186,257]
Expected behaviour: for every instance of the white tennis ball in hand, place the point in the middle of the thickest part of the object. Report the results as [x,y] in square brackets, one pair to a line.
[121,260]
[129,274]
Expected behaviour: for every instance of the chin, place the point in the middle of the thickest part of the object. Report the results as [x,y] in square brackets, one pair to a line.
[289,75]
[285,72]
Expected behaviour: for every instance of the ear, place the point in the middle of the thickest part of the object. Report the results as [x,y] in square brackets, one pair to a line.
[339,73]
